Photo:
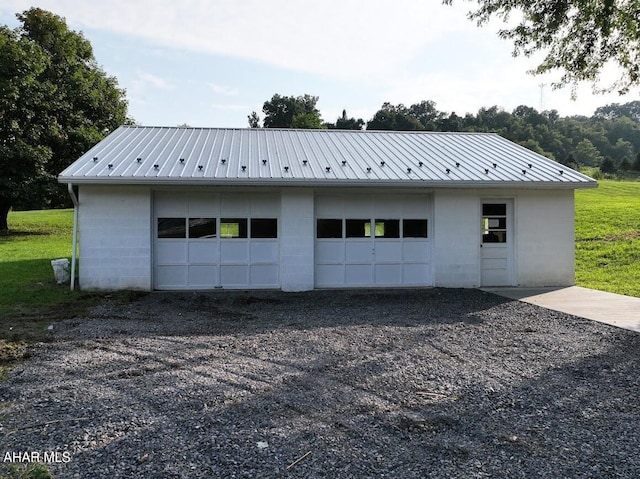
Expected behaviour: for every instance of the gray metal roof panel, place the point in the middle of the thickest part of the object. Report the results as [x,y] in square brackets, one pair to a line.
[134,154]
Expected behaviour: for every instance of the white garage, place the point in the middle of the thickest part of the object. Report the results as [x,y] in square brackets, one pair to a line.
[205,208]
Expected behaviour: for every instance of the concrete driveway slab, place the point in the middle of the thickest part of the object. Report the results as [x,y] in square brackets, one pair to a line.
[609,308]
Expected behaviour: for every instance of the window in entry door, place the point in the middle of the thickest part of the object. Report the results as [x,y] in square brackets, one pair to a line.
[494,223]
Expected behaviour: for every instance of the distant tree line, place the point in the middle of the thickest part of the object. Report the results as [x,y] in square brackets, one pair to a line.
[609,139]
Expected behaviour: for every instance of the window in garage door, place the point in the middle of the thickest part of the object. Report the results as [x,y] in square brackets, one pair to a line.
[238,248]
[389,248]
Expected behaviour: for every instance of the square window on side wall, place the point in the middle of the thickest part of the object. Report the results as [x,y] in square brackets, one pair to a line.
[172,228]
[233,228]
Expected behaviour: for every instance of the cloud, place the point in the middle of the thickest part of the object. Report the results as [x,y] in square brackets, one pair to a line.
[334,38]
[219,106]
[145,79]
[223,90]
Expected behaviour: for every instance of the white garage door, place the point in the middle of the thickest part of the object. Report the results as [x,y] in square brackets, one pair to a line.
[204,241]
[372,240]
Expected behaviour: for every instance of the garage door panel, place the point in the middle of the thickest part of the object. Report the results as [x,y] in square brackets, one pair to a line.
[171,277]
[263,274]
[358,274]
[329,275]
[358,251]
[388,274]
[388,208]
[234,275]
[234,251]
[358,207]
[416,250]
[203,276]
[388,259]
[416,274]
[171,252]
[204,259]
[203,205]
[204,252]
[265,205]
[328,251]
[415,207]
[170,204]
[264,251]
[388,252]
[330,207]
[235,205]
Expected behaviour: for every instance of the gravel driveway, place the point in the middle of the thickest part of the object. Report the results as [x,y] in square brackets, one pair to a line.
[398,384]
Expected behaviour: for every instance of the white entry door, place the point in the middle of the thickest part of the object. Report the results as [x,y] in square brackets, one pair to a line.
[496,243]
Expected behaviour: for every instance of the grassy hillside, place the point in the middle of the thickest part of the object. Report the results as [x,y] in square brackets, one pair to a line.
[26,283]
[30,299]
[608,237]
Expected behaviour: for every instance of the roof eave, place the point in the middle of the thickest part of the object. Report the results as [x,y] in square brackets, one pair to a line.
[568,185]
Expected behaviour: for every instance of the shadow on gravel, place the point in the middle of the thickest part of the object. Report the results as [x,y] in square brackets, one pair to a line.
[250,312]
[411,384]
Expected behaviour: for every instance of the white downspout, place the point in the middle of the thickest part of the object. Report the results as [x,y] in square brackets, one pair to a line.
[74,246]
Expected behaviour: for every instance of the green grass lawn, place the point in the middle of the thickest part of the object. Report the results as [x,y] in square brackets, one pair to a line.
[608,237]
[30,299]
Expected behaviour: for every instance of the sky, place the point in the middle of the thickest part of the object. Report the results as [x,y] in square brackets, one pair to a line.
[210,63]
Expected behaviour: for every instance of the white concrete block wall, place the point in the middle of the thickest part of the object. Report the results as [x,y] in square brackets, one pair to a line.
[545,248]
[543,233]
[115,237]
[456,228]
[297,240]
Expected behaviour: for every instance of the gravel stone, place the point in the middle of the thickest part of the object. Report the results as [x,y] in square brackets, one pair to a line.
[411,383]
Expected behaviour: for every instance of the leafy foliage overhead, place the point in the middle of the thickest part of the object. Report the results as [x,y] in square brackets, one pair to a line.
[579,37]
[288,112]
[55,103]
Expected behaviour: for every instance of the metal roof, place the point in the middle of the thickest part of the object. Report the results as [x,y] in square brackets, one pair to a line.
[177,155]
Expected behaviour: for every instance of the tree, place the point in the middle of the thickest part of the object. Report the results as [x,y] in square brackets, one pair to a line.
[346,123]
[254,120]
[636,163]
[624,165]
[55,103]
[578,37]
[391,117]
[22,161]
[614,111]
[307,121]
[426,113]
[280,111]
[622,149]
[608,166]
[587,154]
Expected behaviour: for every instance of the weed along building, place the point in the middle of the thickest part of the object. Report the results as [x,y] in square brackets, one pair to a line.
[203,208]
